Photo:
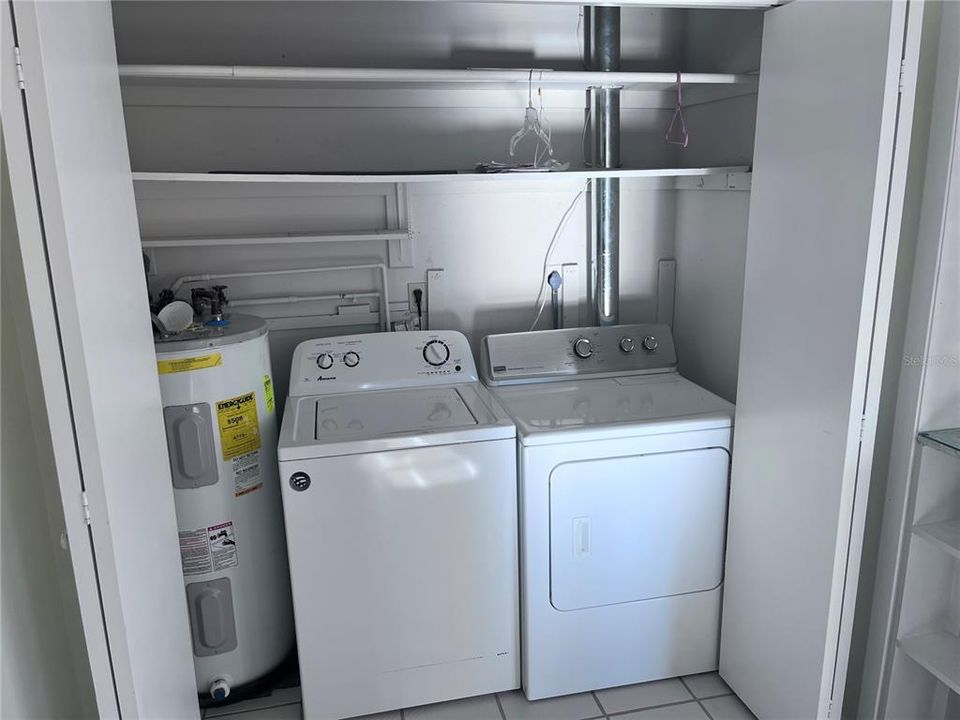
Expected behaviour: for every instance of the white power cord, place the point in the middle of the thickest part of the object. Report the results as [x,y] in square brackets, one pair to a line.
[541,300]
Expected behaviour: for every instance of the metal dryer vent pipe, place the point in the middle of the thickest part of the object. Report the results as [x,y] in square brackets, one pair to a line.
[604,55]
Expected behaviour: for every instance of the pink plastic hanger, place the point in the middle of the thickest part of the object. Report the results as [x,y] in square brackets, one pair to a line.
[684,137]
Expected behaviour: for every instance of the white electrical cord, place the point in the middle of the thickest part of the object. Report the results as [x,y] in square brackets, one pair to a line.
[550,248]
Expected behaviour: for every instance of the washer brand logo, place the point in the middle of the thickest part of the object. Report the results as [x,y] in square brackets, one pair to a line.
[299,481]
[332,377]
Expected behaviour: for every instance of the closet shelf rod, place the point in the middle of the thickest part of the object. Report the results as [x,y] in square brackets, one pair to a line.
[382,179]
[577,78]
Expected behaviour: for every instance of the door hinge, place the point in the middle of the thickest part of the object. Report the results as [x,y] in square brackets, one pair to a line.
[903,72]
[86,506]
[19,61]
[863,426]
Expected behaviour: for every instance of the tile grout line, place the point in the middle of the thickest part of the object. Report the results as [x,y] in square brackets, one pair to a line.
[596,699]
[697,699]
[496,697]
[619,713]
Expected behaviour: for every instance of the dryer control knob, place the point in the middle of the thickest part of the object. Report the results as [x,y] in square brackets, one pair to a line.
[650,343]
[627,344]
[351,359]
[324,361]
[582,348]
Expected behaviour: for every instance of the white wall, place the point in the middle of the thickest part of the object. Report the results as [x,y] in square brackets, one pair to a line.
[44,668]
[391,34]
[490,239]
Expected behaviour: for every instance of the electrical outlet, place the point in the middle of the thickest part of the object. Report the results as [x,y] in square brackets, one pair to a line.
[417,317]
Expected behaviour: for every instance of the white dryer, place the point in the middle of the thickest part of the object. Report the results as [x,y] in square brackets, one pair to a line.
[398,473]
[624,473]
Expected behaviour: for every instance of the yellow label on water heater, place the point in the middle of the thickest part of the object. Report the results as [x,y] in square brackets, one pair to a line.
[268,391]
[239,426]
[165,367]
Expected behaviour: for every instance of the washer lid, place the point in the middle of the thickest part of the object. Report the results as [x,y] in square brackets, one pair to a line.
[349,423]
[612,407]
[390,413]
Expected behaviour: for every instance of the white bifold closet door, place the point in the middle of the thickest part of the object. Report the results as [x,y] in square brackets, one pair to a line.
[72,191]
[833,129]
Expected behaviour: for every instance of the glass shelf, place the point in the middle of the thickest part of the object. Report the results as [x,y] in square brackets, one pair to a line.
[947,441]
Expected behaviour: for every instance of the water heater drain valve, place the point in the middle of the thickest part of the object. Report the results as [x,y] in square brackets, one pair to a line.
[219,690]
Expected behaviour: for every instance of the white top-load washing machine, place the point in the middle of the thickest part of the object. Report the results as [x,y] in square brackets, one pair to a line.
[623,471]
[398,473]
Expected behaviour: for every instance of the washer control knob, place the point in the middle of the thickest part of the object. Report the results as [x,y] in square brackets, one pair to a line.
[436,352]
[324,361]
[582,348]
[351,359]
[627,344]
[650,343]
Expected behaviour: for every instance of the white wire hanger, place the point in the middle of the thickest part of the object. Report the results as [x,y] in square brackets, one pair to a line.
[534,123]
[669,137]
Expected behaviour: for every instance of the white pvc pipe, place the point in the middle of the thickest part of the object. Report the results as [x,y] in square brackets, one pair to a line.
[291,299]
[385,300]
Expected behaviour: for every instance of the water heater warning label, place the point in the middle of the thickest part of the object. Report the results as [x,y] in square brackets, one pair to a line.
[223,546]
[208,549]
[165,367]
[239,427]
[246,473]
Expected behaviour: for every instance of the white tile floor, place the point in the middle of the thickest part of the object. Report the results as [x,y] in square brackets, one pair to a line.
[695,697]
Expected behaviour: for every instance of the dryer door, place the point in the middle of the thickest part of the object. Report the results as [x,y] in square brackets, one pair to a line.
[634,528]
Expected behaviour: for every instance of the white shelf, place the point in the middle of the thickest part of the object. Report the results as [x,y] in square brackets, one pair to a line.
[680,4]
[288,239]
[938,654]
[172,177]
[945,535]
[403,78]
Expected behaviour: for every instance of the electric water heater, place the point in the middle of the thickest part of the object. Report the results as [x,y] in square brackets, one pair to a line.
[220,415]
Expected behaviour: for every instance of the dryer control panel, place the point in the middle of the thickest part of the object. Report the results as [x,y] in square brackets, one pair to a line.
[545,355]
[377,361]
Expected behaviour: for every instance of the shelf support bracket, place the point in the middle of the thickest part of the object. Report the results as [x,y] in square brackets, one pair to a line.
[399,252]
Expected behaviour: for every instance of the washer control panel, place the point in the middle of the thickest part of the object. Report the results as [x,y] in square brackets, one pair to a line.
[544,355]
[381,360]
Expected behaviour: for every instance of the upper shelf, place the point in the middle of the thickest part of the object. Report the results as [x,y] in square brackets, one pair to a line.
[488,78]
[680,4]
[947,441]
[347,178]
